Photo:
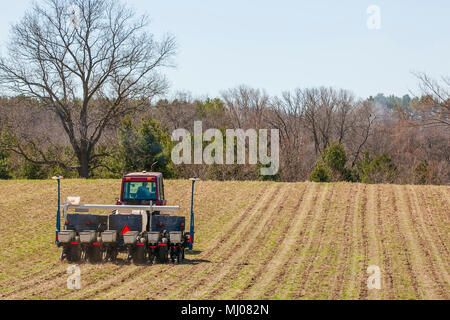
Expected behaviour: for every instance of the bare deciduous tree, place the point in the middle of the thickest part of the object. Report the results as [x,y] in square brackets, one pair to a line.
[361,129]
[87,61]
[434,104]
[246,106]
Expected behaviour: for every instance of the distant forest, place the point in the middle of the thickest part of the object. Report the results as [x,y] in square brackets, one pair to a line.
[325,135]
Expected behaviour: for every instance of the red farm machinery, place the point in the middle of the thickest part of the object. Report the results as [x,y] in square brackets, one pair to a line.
[138,225]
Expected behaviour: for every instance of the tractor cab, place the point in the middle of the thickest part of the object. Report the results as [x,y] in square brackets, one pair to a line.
[139,188]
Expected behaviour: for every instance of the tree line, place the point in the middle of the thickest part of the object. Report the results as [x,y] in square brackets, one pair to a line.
[325,135]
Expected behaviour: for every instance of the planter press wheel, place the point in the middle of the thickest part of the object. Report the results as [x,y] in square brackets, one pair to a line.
[139,255]
[163,253]
[95,254]
[74,254]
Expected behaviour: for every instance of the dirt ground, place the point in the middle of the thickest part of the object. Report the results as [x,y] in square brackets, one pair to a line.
[254,240]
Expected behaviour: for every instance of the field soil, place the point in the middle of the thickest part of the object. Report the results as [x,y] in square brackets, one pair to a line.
[254,240]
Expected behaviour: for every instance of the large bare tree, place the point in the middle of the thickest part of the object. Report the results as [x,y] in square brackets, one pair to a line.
[89,62]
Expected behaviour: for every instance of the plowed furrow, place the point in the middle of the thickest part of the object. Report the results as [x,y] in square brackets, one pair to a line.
[346,245]
[394,246]
[317,242]
[403,244]
[273,268]
[430,223]
[321,276]
[285,275]
[440,213]
[34,286]
[423,249]
[147,283]
[351,287]
[52,286]
[29,280]
[374,249]
[363,290]
[265,264]
[388,284]
[249,260]
[307,253]
[221,255]
[443,196]
[240,219]
[94,289]
[245,246]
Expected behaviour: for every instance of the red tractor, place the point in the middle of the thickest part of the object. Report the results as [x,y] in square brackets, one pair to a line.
[137,225]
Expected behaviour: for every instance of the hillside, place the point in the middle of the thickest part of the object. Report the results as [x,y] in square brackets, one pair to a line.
[254,240]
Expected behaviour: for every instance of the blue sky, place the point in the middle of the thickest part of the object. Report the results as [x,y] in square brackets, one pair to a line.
[282,45]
